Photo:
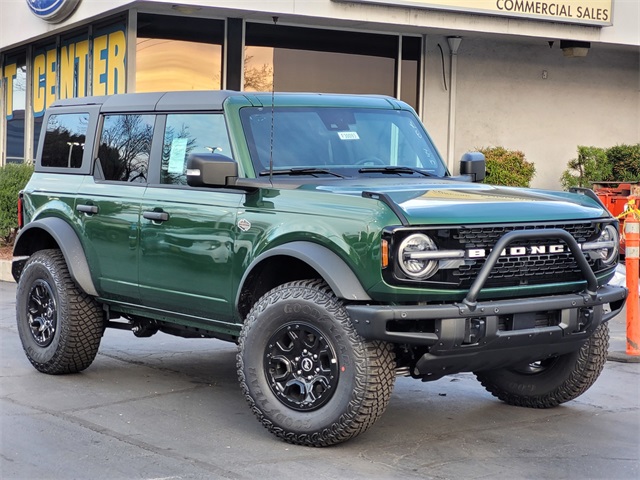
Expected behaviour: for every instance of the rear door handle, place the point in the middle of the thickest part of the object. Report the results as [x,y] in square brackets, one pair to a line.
[156,216]
[89,209]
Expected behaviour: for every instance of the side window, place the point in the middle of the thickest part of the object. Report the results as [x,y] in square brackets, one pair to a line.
[125,145]
[191,133]
[64,140]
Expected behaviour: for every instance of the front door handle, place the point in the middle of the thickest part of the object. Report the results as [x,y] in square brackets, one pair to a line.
[156,216]
[88,209]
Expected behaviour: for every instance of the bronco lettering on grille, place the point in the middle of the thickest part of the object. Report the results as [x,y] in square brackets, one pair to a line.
[517,251]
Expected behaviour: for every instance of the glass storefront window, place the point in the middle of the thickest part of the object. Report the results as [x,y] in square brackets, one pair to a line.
[303,70]
[258,69]
[305,59]
[62,66]
[410,70]
[109,59]
[163,65]
[74,66]
[174,54]
[15,80]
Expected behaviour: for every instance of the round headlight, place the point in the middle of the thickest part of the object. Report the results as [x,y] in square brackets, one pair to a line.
[611,242]
[416,258]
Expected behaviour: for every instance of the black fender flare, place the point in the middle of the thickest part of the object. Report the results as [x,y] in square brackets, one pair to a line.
[330,266]
[68,242]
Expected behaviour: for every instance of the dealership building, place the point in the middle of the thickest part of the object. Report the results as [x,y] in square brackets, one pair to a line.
[540,76]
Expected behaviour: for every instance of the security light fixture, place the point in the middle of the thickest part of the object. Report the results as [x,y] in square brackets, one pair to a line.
[572,48]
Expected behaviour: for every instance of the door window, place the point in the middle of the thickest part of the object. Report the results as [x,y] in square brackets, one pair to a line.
[191,133]
[125,146]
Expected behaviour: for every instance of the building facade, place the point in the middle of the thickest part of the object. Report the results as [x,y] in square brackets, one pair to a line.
[540,76]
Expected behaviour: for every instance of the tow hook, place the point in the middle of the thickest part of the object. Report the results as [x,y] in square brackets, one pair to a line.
[585,318]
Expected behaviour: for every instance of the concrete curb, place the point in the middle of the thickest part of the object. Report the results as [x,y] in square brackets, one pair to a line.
[5,271]
[622,357]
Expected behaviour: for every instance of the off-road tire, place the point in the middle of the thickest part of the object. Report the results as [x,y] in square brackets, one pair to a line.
[553,381]
[46,293]
[365,369]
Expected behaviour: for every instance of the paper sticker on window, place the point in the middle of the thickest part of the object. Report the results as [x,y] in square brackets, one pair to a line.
[348,136]
[176,158]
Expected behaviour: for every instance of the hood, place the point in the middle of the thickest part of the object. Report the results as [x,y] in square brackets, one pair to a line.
[447,202]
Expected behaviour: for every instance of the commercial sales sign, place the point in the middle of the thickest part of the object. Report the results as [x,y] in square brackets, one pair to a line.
[586,12]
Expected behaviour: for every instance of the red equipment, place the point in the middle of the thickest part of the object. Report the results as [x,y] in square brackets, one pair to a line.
[615,196]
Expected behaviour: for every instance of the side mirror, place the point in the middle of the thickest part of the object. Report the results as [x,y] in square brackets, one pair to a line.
[211,170]
[474,165]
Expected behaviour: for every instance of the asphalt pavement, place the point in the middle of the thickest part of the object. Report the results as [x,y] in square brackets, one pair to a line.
[170,408]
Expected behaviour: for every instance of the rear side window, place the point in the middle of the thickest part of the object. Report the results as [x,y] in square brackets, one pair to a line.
[125,146]
[191,133]
[64,140]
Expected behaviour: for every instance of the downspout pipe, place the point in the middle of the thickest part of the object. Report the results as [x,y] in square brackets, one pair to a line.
[454,44]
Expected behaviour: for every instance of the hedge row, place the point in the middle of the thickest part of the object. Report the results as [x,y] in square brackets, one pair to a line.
[13,178]
[507,167]
[594,164]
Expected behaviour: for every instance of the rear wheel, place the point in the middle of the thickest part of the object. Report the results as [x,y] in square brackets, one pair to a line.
[59,325]
[306,373]
[550,382]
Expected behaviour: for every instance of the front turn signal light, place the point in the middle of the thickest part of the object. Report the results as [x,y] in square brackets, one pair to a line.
[384,254]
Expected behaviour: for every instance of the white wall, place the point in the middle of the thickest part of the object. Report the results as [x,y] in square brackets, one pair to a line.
[502,99]
[436,97]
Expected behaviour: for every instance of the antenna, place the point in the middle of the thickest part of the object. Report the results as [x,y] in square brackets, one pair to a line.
[271,137]
[275,21]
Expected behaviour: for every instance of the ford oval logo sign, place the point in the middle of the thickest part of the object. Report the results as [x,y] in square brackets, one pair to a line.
[52,10]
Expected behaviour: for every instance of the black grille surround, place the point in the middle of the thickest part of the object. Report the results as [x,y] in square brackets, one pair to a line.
[510,270]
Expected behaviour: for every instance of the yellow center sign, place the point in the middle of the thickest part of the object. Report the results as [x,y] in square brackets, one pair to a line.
[588,12]
[71,70]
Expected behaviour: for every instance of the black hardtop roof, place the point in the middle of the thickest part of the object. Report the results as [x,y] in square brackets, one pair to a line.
[132,102]
[202,100]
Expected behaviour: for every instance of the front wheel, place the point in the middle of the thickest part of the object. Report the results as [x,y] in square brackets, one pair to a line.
[59,325]
[551,381]
[306,373]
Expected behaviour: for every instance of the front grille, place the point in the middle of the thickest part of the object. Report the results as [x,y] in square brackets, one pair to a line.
[531,269]
[486,236]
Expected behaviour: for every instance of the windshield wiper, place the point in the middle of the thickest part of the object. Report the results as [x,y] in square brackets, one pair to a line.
[300,171]
[396,169]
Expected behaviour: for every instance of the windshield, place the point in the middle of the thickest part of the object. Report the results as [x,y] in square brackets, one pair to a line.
[343,141]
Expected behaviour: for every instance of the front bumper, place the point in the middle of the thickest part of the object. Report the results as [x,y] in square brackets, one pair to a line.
[477,335]
[393,323]
[494,334]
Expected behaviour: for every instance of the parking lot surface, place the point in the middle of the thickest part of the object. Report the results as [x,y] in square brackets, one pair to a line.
[170,408]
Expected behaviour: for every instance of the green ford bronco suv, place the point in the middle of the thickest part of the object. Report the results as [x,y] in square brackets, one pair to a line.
[321,233]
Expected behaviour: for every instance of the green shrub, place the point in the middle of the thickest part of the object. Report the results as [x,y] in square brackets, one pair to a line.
[625,160]
[591,166]
[507,167]
[616,164]
[13,178]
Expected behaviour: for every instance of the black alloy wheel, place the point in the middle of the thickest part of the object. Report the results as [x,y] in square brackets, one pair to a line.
[42,313]
[301,366]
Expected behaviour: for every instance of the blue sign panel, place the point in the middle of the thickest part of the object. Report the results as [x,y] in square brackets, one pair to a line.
[52,10]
